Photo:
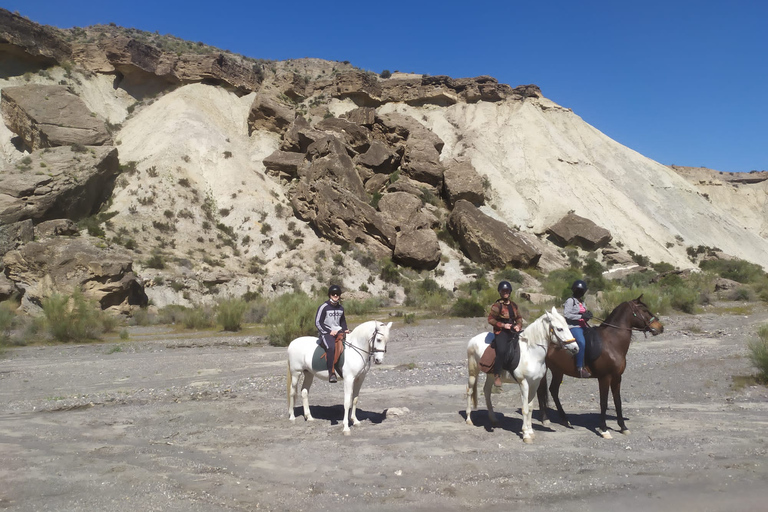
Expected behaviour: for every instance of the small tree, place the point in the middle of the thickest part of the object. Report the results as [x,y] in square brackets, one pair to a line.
[385,74]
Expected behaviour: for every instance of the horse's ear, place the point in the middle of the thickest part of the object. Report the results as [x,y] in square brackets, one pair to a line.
[389,325]
[554,311]
[639,299]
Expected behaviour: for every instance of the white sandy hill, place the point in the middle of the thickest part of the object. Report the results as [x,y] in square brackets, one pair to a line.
[542,160]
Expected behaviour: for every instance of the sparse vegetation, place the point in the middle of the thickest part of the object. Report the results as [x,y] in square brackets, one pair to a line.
[758,353]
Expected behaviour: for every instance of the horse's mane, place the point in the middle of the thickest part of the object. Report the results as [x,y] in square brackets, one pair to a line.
[536,329]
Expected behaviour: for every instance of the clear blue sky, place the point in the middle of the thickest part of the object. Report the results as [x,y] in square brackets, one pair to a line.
[681,81]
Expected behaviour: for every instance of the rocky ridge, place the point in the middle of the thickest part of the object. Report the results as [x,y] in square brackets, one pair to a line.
[241,175]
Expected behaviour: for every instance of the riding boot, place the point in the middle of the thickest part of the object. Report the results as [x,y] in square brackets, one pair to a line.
[332,378]
[497,382]
[582,372]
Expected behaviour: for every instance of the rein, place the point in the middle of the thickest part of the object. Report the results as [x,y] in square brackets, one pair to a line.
[371,349]
[645,330]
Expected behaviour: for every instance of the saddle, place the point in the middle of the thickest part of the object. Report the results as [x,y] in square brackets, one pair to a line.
[488,359]
[337,353]
[593,344]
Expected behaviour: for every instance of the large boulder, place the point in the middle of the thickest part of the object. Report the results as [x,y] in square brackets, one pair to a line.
[362,88]
[62,265]
[404,212]
[380,158]
[355,136]
[38,42]
[487,240]
[74,185]
[418,248]
[461,181]
[420,91]
[329,160]
[342,217]
[284,164]
[45,116]
[299,136]
[268,114]
[575,230]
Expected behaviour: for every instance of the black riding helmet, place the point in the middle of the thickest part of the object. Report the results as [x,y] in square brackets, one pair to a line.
[579,288]
[504,286]
[334,289]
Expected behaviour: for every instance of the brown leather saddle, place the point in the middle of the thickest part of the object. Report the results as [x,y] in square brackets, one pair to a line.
[339,348]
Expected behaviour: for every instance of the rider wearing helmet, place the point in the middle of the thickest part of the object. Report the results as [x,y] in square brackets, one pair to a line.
[507,322]
[330,320]
[577,316]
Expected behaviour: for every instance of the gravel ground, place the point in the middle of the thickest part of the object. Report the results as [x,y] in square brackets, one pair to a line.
[199,422]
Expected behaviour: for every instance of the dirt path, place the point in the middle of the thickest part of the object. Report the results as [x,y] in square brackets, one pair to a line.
[169,422]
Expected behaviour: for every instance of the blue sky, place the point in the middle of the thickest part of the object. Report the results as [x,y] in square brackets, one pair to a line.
[683,82]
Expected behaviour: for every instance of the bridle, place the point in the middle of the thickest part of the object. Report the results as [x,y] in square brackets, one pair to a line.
[553,334]
[371,347]
[636,312]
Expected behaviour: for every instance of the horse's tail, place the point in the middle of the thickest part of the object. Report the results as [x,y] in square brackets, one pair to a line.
[473,370]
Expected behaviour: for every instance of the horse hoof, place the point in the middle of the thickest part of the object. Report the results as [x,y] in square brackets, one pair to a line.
[309,418]
[626,432]
[545,423]
[606,435]
[347,433]
[292,419]
[528,440]
[469,422]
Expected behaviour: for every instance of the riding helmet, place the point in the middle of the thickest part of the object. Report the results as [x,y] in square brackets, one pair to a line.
[579,288]
[334,289]
[504,286]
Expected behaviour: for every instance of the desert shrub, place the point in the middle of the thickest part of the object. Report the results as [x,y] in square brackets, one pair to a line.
[736,270]
[558,282]
[197,318]
[73,317]
[467,308]
[593,268]
[428,295]
[362,307]
[385,74]
[290,315]
[229,314]
[510,274]
[7,317]
[389,272]
[758,353]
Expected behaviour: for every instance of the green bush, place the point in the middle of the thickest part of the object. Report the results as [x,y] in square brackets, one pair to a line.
[758,353]
[197,318]
[737,270]
[467,308]
[510,274]
[290,315]
[229,314]
[362,307]
[70,318]
[558,282]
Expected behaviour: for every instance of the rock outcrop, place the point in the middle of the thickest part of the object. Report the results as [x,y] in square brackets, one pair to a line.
[489,241]
[575,230]
[62,265]
[73,185]
[45,116]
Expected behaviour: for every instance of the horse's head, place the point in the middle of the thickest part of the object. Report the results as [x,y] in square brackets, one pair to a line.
[558,329]
[379,340]
[643,318]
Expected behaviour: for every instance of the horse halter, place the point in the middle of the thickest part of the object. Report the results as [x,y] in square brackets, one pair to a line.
[636,312]
[371,346]
[553,334]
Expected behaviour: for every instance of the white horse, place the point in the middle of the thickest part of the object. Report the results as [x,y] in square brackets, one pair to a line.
[366,343]
[550,327]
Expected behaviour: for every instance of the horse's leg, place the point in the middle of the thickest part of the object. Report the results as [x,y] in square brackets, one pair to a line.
[471,390]
[554,388]
[355,394]
[487,389]
[293,389]
[605,383]
[349,383]
[616,392]
[525,390]
[543,394]
[308,378]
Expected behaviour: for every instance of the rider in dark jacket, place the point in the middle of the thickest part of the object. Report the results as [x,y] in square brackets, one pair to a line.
[330,320]
[507,322]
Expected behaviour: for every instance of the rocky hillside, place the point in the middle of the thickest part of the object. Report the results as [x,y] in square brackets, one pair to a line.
[143,167]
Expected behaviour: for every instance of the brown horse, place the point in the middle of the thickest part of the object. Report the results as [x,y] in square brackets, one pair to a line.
[616,333]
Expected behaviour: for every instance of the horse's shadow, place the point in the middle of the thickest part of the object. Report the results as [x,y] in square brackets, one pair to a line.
[586,420]
[480,419]
[334,413]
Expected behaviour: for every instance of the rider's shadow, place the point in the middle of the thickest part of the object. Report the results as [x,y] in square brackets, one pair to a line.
[334,413]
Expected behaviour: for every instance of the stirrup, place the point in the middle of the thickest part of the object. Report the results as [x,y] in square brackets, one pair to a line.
[583,372]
